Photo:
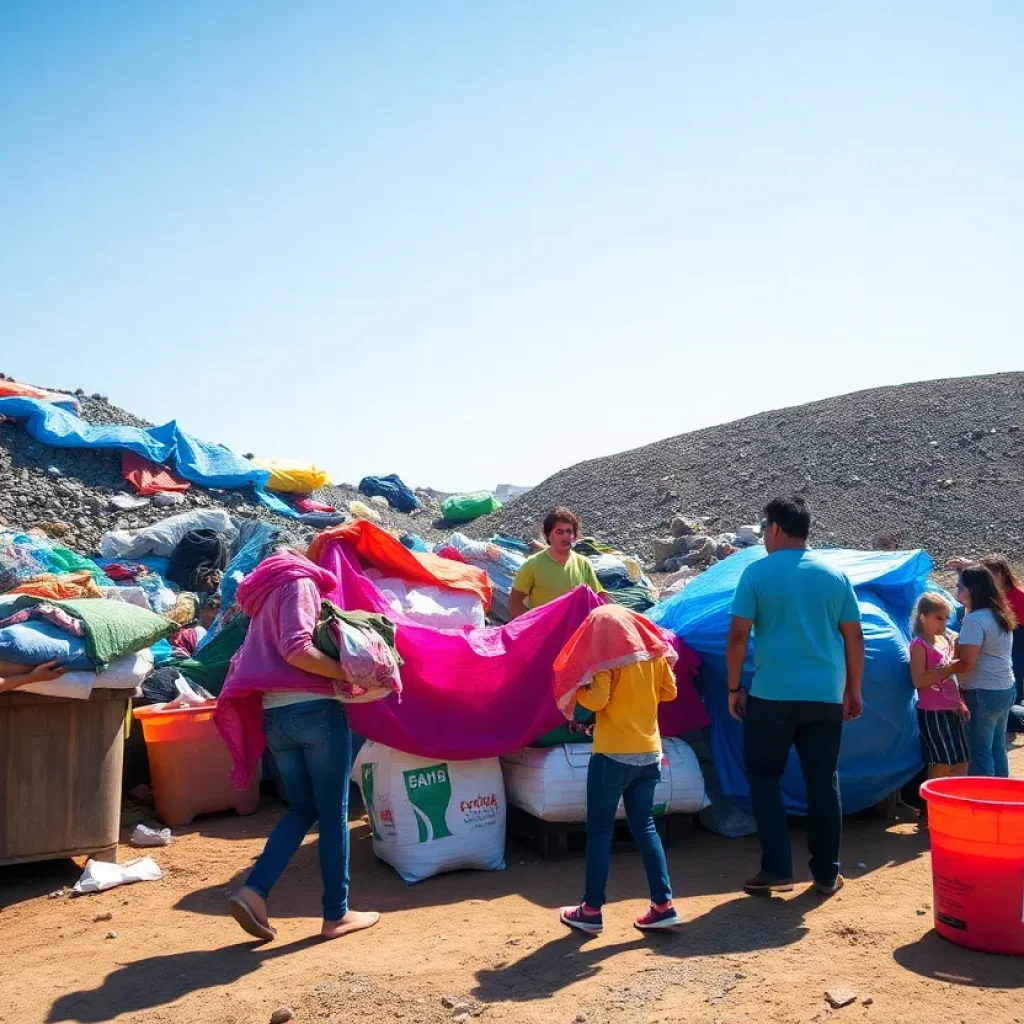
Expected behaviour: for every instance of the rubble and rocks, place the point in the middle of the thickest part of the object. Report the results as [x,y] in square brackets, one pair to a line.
[76,495]
[918,460]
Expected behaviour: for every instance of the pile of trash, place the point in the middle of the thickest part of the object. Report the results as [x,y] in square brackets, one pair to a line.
[62,474]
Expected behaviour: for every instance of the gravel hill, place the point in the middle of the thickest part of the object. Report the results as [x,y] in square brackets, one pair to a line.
[938,463]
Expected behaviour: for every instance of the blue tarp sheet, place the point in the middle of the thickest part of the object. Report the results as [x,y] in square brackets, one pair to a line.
[882,749]
[210,465]
[196,461]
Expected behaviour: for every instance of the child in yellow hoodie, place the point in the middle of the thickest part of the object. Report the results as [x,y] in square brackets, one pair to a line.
[626,760]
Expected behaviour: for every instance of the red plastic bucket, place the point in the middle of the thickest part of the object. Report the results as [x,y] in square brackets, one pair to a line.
[977,836]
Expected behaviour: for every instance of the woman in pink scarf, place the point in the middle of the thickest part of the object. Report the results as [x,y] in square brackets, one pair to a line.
[307,731]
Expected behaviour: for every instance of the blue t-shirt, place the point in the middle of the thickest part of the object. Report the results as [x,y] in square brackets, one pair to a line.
[796,602]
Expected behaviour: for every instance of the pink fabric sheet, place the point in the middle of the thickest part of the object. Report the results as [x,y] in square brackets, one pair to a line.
[467,693]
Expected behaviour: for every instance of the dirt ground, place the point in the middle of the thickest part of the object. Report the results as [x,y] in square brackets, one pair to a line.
[492,940]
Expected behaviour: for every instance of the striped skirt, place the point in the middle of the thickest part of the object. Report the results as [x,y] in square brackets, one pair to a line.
[943,738]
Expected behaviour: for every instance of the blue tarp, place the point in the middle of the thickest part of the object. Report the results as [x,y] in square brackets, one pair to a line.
[210,465]
[882,749]
[196,461]
[398,496]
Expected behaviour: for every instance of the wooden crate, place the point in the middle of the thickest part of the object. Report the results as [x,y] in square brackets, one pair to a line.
[60,775]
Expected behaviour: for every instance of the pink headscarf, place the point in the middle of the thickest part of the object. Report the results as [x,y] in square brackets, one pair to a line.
[276,571]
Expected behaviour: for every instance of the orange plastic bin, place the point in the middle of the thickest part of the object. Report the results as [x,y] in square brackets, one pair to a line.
[189,765]
[977,836]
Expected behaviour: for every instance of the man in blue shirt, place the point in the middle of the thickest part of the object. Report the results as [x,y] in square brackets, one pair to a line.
[808,664]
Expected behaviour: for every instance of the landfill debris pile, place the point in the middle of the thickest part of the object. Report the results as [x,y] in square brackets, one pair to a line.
[939,464]
[76,495]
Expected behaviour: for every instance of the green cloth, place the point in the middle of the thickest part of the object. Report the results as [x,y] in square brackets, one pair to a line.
[579,730]
[209,666]
[113,628]
[62,560]
[323,635]
[637,599]
[592,546]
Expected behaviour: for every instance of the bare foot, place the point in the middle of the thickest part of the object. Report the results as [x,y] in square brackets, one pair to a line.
[249,909]
[353,921]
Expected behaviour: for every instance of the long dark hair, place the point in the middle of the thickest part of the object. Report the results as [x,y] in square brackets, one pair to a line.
[1000,567]
[979,582]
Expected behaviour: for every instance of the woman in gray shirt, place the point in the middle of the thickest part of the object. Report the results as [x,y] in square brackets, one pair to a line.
[985,669]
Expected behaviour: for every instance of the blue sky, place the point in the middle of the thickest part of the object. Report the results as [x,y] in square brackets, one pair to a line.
[474,243]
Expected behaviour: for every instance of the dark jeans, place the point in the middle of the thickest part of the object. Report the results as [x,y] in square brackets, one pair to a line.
[608,781]
[986,731]
[815,729]
[312,746]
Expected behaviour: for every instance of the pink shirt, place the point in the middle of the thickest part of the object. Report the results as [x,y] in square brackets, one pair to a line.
[944,696]
[282,628]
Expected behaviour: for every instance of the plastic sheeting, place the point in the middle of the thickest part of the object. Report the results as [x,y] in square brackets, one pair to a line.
[392,489]
[196,461]
[881,750]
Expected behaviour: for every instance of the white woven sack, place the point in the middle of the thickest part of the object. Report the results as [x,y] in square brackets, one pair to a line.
[432,815]
[551,782]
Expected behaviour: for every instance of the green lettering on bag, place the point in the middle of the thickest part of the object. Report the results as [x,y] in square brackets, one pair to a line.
[368,798]
[429,791]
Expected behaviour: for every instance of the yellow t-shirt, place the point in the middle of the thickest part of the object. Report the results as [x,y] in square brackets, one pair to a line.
[542,579]
[626,701]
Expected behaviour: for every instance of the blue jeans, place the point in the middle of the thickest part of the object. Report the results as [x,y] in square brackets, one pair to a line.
[312,746]
[608,781]
[986,731]
[770,729]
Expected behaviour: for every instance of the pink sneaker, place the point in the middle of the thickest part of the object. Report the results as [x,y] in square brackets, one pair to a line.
[582,920]
[658,920]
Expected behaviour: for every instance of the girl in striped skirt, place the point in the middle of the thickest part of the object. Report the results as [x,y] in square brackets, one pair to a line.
[941,712]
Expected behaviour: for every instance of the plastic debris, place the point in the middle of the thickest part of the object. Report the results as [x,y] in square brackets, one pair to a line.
[100,876]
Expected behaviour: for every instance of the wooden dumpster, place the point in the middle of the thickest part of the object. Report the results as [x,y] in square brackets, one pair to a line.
[60,775]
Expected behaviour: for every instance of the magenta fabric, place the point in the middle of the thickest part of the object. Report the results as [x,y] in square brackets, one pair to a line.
[282,596]
[687,712]
[312,505]
[467,693]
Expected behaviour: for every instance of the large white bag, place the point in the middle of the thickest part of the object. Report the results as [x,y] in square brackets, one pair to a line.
[126,673]
[430,816]
[551,782]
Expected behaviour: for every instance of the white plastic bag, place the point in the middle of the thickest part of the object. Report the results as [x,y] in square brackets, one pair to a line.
[161,538]
[143,835]
[551,782]
[430,816]
[100,876]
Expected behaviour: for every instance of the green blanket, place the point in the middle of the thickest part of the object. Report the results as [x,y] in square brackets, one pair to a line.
[113,628]
[323,635]
[209,666]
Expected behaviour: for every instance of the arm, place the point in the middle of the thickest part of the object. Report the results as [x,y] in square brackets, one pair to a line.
[735,656]
[44,673]
[516,604]
[853,645]
[522,586]
[296,620]
[596,696]
[667,689]
[966,657]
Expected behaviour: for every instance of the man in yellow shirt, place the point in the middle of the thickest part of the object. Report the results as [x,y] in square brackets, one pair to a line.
[554,571]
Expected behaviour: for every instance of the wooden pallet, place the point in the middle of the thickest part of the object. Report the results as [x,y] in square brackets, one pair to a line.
[553,840]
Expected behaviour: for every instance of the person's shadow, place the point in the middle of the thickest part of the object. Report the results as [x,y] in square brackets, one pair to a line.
[742,925]
[159,980]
